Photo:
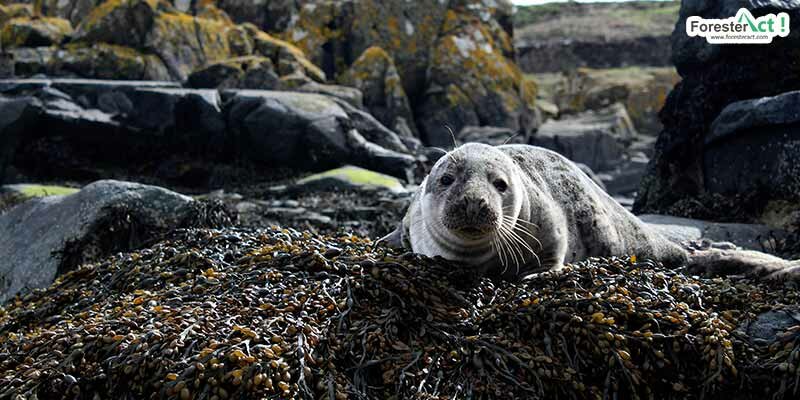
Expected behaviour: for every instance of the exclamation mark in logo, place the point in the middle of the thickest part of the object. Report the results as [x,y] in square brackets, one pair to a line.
[783,23]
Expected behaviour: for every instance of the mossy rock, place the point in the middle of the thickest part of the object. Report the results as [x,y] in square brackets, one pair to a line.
[250,72]
[288,58]
[643,90]
[349,178]
[471,59]
[99,61]
[14,10]
[30,190]
[375,74]
[35,32]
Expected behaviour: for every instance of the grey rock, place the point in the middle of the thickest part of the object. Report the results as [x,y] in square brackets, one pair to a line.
[38,234]
[596,138]
[677,229]
[765,328]
[492,135]
[351,95]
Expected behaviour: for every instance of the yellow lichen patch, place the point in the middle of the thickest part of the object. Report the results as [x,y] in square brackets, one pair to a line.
[283,52]
[104,10]
[24,31]
[10,11]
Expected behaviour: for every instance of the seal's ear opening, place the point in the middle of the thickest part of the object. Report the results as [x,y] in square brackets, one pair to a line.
[393,240]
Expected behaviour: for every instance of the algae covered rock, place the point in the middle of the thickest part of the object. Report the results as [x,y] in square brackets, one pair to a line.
[375,74]
[350,178]
[35,32]
[43,235]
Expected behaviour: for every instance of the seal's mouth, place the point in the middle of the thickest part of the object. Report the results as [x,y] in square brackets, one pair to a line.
[473,232]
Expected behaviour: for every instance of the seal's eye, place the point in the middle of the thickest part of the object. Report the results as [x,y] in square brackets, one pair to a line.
[446,180]
[500,185]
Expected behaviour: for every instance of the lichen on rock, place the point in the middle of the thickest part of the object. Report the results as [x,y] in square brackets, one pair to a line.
[35,32]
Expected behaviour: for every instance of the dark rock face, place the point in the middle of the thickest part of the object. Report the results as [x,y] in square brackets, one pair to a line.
[556,56]
[691,161]
[41,235]
[76,128]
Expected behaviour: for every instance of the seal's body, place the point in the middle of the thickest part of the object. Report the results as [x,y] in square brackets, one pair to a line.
[515,209]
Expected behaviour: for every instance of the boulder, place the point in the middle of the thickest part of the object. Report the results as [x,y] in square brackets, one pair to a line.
[29,190]
[14,10]
[48,236]
[309,131]
[34,32]
[470,76]
[643,91]
[715,76]
[375,74]
[351,95]
[349,178]
[754,146]
[249,72]
[598,139]
[83,128]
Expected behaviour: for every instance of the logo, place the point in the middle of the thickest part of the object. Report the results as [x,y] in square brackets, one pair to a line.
[741,29]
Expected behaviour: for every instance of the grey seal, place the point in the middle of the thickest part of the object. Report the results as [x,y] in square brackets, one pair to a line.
[512,210]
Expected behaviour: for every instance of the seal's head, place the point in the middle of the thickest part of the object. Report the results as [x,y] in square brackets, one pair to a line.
[469,195]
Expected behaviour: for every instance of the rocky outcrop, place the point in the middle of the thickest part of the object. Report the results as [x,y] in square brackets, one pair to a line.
[555,38]
[79,128]
[682,230]
[48,236]
[375,74]
[696,161]
[454,61]
[642,90]
[27,32]
[598,139]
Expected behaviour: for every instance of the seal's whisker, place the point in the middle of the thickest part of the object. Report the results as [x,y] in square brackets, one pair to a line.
[508,246]
[520,241]
[529,223]
[529,234]
[514,244]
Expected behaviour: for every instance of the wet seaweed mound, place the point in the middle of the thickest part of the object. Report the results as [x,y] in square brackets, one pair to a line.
[276,313]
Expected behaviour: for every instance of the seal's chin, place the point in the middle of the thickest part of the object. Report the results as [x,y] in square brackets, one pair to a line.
[473,232]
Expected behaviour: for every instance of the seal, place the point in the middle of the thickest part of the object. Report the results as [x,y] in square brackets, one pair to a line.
[512,210]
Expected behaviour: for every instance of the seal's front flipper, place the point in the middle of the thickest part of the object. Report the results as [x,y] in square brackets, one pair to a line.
[719,262]
[393,240]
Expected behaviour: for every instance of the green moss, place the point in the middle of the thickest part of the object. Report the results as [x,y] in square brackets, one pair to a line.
[356,176]
[33,190]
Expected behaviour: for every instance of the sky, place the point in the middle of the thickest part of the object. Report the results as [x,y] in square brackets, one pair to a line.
[532,2]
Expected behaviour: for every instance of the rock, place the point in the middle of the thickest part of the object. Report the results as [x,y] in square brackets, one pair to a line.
[471,82]
[14,10]
[754,146]
[34,32]
[351,95]
[474,80]
[47,236]
[492,135]
[594,34]
[82,128]
[250,72]
[309,131]
[100,61]
[715,76]
[28,190]
[349,178]
[375,74]
[749,236]
[768,326]
[598,139]
[643,91]
[625,179]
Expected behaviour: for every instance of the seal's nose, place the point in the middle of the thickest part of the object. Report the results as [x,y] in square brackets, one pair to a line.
[474,208]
